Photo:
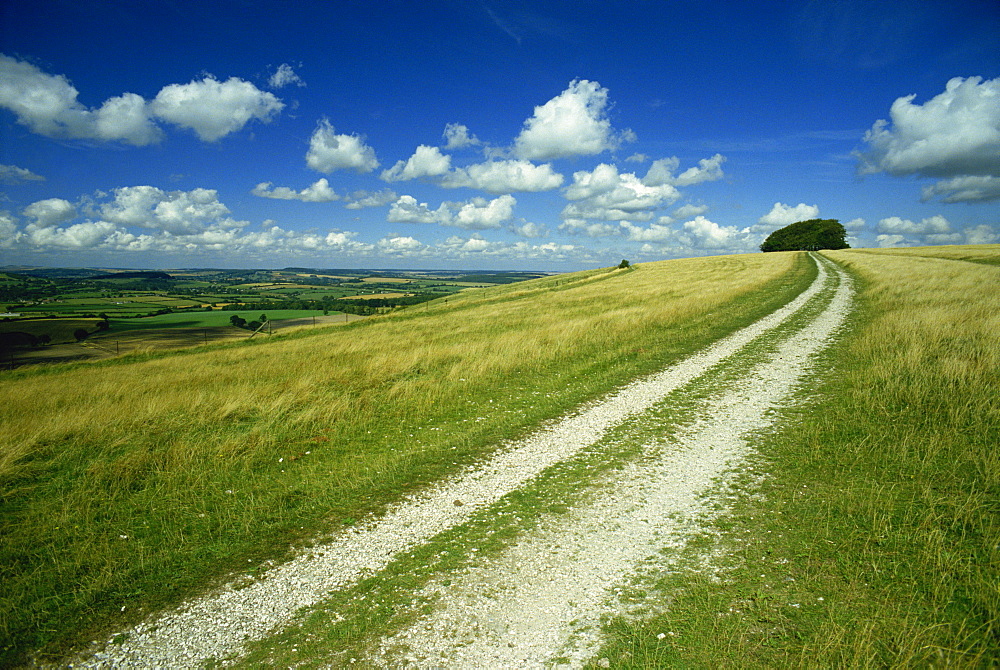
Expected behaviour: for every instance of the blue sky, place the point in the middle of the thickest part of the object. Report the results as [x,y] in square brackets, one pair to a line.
[488,134]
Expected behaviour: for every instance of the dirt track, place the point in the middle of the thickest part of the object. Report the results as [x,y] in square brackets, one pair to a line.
[543,596]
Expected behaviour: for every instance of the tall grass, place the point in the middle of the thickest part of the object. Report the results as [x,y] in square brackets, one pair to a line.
[130,484]
[875,540]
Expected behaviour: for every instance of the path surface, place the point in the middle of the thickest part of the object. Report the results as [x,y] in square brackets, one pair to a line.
[543,597]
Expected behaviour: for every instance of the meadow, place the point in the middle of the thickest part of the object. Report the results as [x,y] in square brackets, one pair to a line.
[131,483]
[213,319]
[869,533]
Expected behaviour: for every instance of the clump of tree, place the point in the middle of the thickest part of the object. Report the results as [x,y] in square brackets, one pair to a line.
[810,235]
[240,322]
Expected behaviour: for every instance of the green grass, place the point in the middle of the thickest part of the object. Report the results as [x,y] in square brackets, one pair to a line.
[874,538]
[200,319]
[135,482]
[350,621]
[59,330]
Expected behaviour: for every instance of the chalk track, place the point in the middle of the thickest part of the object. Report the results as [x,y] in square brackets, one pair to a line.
[543,597]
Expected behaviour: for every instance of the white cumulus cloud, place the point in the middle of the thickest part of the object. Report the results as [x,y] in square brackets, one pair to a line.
[896,225]
[697,235]
[854,224]
[574,123]
[892,241]
[407,210]
[953,136]
[981,234]
[213,108]
[504,176]
[145,219]
[319,191]
[425,162]
[707,234]
[606,194]
[527,229]
[689,211]
[457,136]
[329,151]
[588,228]
[77,236]
[401,246]
[50,212]
[363,199]
[895,231]
[175,212]
[708,169]
[284,76]
[783,215]
[480,213]
[476,214]
[967,188]
[48,105]
[10,236]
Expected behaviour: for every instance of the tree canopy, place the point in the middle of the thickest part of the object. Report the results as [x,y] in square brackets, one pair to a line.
[808,235]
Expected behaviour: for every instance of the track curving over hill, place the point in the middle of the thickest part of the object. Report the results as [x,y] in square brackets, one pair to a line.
[543,596]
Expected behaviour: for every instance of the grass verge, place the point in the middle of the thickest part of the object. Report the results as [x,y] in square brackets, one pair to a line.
[869,533]
[128,485]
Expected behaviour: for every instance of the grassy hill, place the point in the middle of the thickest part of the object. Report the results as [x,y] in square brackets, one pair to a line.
[130,484]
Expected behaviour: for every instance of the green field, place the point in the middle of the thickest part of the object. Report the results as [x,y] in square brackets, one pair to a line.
[131,484]
[200,319]
[147,448]
[59,330]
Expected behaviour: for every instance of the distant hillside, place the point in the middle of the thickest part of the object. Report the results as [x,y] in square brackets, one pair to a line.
[811,235]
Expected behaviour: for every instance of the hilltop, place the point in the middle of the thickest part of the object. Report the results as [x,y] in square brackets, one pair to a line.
[133,484]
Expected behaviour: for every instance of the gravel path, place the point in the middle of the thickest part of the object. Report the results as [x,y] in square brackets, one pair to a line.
[218,625]
[544,598]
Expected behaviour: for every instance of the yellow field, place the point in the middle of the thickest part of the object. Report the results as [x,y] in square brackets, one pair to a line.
[387,280]
[371,296]
[302,274]
[989,253]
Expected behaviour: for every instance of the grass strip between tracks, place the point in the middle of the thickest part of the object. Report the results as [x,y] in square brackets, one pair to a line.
[346,627]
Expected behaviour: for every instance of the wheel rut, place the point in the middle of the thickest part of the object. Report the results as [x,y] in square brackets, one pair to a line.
[543,597]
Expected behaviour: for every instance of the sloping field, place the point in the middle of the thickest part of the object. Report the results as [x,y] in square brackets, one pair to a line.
[867,531]
[133,483]
[694,463]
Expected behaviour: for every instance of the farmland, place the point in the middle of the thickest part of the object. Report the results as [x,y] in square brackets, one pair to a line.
[49,311]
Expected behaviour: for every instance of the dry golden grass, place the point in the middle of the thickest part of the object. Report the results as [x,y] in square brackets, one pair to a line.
[500,336]
[979,253]
[387,280]
[369,296]
[205,458]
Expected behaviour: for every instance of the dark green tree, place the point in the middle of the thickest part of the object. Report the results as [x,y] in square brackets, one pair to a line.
[238,321]
[810,235]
